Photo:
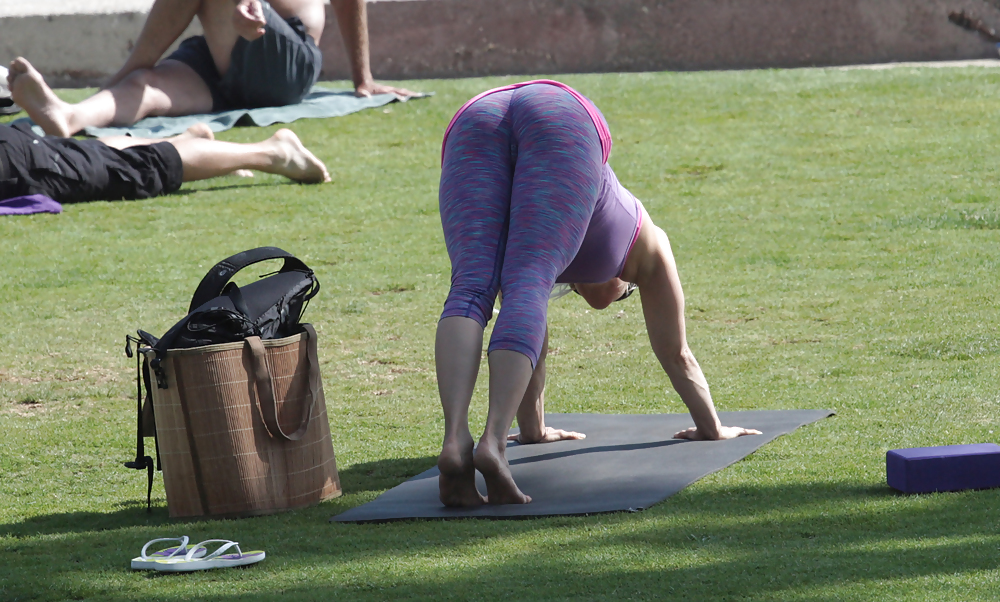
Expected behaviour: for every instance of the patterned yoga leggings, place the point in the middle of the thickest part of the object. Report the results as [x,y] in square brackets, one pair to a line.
[520,177]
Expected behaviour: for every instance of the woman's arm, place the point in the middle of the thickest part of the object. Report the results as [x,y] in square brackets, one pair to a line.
[651,266]
[531,412]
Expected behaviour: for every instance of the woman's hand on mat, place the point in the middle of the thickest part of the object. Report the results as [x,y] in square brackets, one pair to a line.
[550,435]
[371,88]
[248,19]
[725,432]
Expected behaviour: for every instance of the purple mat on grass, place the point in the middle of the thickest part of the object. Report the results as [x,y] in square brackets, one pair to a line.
[944,468]
[26,205]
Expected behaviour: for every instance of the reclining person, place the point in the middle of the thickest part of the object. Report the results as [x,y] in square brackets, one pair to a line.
[253,54]
[122,167]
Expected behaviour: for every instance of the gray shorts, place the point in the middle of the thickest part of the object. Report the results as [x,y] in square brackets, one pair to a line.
[278,68]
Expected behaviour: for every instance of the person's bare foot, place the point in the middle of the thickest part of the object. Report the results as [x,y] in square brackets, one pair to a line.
[28,89]
[457,482]
[294,161]
[199,130]
[500,485]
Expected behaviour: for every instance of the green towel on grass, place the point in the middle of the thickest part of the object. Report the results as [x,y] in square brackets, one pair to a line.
[318,103]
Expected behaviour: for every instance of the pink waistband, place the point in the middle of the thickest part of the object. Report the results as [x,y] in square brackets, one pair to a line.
[602,129]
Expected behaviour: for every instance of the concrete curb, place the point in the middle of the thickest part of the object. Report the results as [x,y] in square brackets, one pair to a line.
[462,38]
[74,50]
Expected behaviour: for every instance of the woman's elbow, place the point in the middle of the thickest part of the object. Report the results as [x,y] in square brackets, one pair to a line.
[680,359]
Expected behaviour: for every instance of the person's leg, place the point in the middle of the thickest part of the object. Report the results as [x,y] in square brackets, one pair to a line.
[198,130]
[204,157]
[143,169]
[282,154]
[216,18]
[510,372]
[531,410]
[170,88]
[276,69]
[458,346]
[556,182]
[474,199]
[166,21]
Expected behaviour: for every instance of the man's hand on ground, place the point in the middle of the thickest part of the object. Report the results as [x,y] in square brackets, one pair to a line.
[248,19]
[550,435]
[371,88]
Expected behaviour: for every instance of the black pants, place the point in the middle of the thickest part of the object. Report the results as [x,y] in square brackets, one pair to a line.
[73,171]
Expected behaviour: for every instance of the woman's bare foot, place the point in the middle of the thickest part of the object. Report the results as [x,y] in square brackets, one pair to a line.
[457,482]
[28,89]
[294,161]
[500,486]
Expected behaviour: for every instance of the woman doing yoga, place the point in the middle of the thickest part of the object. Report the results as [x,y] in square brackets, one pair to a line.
[527,200]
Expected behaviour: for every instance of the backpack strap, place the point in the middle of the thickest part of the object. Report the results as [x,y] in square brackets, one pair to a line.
[142,461]
[216,279]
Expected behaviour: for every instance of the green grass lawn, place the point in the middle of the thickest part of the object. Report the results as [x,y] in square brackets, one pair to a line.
[838,235]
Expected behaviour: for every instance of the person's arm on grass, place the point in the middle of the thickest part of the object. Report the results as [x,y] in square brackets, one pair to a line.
[655,271]
[531,412]
[352,20]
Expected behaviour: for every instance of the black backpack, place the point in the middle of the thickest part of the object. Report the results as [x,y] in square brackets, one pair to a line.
[222,312]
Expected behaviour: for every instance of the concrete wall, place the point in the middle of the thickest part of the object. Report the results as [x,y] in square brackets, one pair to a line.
[459,38]
[74,50]
[455,38]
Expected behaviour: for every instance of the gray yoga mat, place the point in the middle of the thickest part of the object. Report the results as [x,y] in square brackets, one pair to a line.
[628,462]
[318,103]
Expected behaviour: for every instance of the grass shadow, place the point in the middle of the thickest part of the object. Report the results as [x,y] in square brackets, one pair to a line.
[383,474]
[358,478]
[819,535]
[132,514]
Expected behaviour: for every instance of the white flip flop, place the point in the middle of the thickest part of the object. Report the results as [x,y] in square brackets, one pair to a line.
[216,560]
[148,561]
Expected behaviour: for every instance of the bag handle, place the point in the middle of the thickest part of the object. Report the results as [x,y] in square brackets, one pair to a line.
[265,387]
[215,280]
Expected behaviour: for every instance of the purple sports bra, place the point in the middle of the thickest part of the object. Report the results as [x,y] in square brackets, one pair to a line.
[613,230]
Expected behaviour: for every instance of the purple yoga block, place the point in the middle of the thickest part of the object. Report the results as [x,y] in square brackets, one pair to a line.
[946,468]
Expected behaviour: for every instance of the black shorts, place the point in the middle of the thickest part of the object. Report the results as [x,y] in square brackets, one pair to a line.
[74,171]
[278,68]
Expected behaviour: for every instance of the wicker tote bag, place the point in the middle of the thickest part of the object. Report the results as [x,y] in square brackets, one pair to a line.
[242,428]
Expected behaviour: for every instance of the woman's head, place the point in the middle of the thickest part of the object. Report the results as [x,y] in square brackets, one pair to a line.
[604,294]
